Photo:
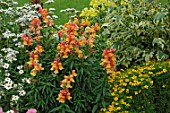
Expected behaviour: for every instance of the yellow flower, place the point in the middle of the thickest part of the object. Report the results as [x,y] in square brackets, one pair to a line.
[103,8]
[129,97]
[151,73]
[124,84]
[118,108]
[111,107]
[146,87]
[122,101]
[129,72]
[116,98]
[136,92]
[126,80]
[128,106]
[113,94]
[127,90]
[151,82]
[121,90]
[163,86]
[103,109]
[134,77]
[164,70]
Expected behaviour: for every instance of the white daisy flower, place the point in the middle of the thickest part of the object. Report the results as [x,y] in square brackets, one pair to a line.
[8,86]
[7,79]
[22,92]
[10,111]
[14,98]
[6,66]
[21,72]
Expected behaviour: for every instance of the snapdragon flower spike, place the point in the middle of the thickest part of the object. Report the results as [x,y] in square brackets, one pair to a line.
[56,65]
[27,40]
[38,38]
[71,28]
[39,49]
[74,74]
[35,26]
[109,60]
[65,84]
[43,12]
[37,68]
[63,49]
[44,15]
[64,95]
[71,40]
[33,59]
[90,33]
[33,63]
[36,22]
[84,24]
[81,41]
[79,52]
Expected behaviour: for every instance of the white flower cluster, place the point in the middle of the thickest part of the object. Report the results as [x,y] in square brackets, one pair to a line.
[10,55]
[21,71]
[26,13]
[69,11]
[8,83]
[7,34]
[26,80]
[49,1]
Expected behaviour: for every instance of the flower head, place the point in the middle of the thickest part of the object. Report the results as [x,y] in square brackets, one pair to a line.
[1,111]
[32,111]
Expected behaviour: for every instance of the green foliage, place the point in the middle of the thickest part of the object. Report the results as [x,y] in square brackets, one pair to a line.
[138,30]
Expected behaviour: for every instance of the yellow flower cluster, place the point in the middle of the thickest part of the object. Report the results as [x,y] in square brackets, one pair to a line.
[101,5]
[125,85]
[94,9]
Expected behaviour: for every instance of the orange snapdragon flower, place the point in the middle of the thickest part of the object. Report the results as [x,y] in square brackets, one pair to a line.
[71,28]
[39,49]
[82,41]
[71,40]
[65,84]
[33,63]
[38,38]
[37,68]
[36,25]
[79,52]
[84,23]
[64,95]
[44,14]
[27,40]
[109,60]
[63,49]
[56,65]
